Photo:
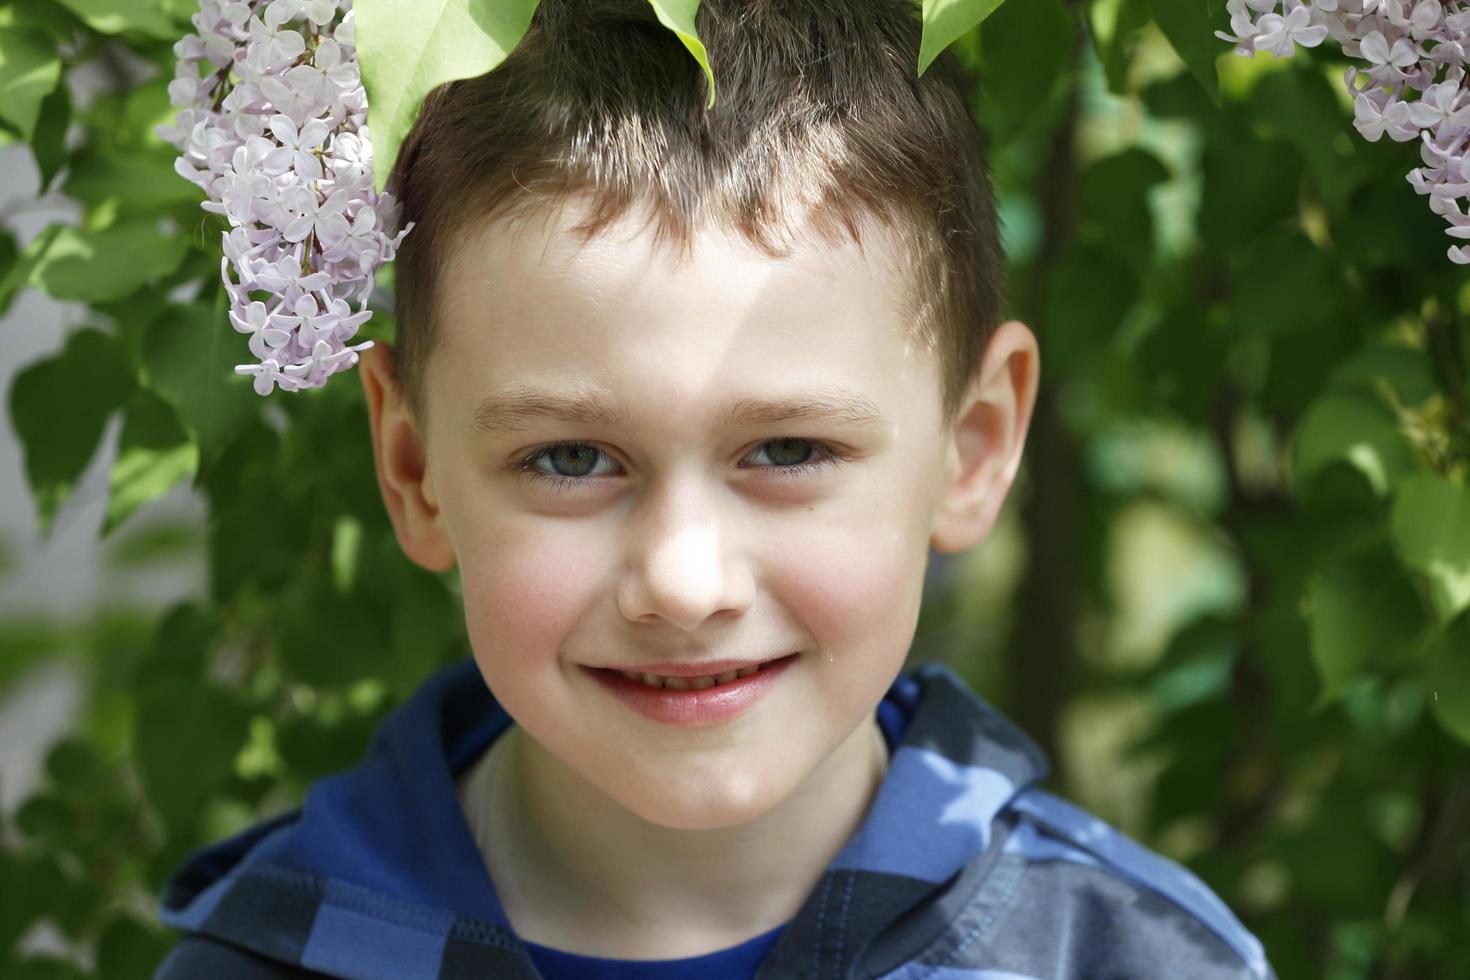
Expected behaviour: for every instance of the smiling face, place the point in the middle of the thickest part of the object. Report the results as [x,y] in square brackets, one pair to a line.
[635,458]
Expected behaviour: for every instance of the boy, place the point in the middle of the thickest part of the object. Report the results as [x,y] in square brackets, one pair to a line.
[687,398]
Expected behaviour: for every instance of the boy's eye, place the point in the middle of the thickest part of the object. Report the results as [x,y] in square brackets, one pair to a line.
[571,459]
[569,463]
[788,452]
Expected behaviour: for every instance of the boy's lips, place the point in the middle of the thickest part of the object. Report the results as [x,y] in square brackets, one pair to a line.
[696,706]
[685,668]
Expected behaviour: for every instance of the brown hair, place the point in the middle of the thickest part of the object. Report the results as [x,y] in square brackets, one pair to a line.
[819,107]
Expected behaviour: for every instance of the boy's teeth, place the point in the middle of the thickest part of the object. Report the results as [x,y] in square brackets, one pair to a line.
[690,683]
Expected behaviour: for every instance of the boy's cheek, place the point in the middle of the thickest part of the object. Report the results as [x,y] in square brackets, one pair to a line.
[849,590]
[523,598]
[839,578]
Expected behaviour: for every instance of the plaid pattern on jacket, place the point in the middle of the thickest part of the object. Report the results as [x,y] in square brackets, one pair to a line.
[961,870]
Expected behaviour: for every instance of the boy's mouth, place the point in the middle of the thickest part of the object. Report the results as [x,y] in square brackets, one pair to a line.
[695,700]
[695,683]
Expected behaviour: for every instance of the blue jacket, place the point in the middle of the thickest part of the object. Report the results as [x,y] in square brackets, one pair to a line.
[961,870]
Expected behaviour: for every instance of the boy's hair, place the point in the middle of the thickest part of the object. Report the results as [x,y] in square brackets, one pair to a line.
[819,106]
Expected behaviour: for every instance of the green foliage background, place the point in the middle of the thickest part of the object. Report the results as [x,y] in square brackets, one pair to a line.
[1230,594]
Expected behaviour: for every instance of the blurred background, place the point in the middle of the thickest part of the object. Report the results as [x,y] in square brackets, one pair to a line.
[1228,595]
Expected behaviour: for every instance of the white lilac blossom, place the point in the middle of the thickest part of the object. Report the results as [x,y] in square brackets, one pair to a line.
[272,126]
[1410,85]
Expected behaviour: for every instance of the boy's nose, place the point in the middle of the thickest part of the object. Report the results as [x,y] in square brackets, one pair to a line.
[684,571]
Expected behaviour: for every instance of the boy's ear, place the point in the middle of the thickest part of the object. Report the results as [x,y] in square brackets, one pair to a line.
[402,462]
[989,431]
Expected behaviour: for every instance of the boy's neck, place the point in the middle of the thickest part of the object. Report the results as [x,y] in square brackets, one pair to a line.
[576,871]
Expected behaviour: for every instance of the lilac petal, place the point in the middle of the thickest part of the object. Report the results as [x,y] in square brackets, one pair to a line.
[1375,48]
[278,161]
[1403,54]
[299,228]
[336,202]
[274,338]
[284,129]
[307,166]
[1312,36]
[314,133]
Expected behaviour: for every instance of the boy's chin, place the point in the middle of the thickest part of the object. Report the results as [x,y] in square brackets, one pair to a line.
[685,808]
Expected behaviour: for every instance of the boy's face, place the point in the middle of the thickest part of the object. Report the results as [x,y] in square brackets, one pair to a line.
[758,465]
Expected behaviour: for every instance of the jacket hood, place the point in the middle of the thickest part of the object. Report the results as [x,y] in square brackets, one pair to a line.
[377,874]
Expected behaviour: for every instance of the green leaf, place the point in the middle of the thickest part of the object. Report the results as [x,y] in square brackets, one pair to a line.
[43,817]
[72,762]
[18,270]
[346,547]
[1114,28]
[1407,370]
[1385,225]
[190,353]
[153,454]
[145,107]
[178,9]
[678,16]
[1285,284]
[1190,28]
[18,905]
[30,68]
[1449,680]
[129,948]
[1251,187]
[243,550]
[1300,107]
[9,258]
[406,48]
[1354,428]
[945,21]
[58,409]
[159,543]
[44,967]
[313,746]
[117,16]
[1297,363]
[1181,360]
[1115,193]
[43,16]
[427,622]
[1178,97]
[329,639]
[1363,615]
[129,183]
[49,142]
[183,640]
[25,640]
[97,266]
[1197,665]
[1090,293]
[1027,78]
[1431,526]
[186,737]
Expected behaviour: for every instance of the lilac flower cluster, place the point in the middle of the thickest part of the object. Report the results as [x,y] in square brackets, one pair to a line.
[272,126]
[1410,48]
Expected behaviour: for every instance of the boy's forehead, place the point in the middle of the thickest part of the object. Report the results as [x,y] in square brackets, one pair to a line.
[526,302]
[538,242]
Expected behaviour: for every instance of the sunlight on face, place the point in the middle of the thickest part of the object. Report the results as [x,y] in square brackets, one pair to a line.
[640,459]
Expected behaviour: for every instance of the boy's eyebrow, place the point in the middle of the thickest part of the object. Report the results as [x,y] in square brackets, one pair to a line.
[518,406]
